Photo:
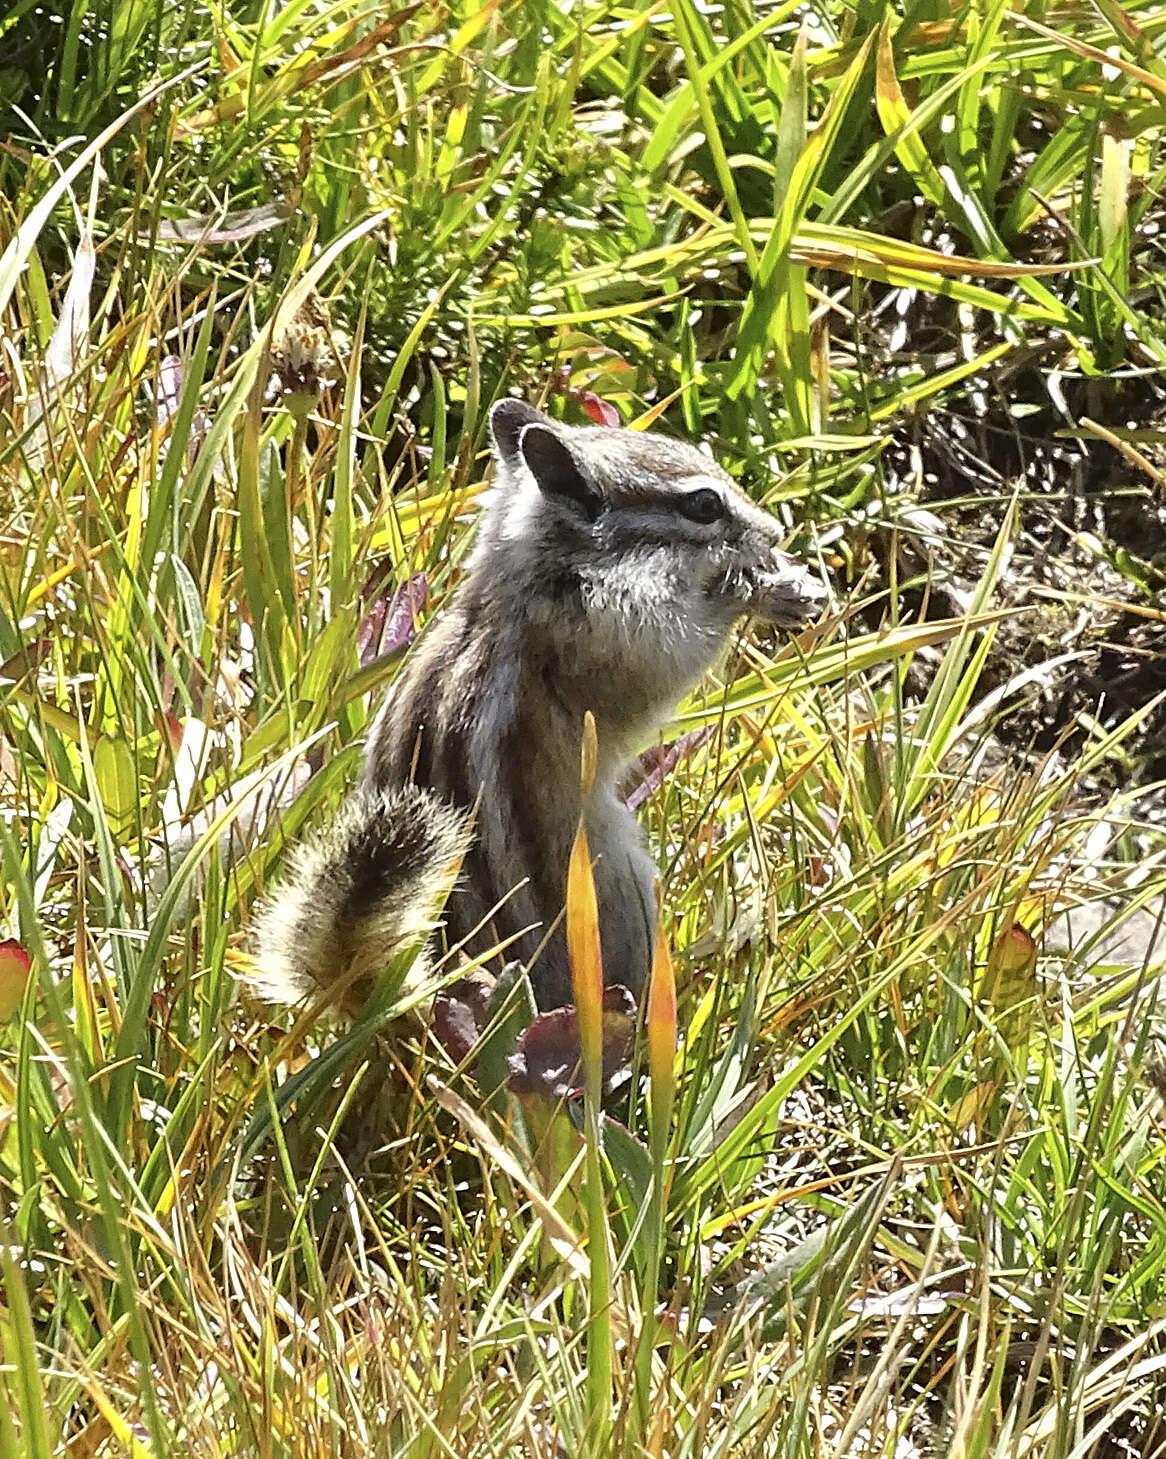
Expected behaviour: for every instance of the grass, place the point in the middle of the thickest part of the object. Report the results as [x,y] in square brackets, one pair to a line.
[899,1191]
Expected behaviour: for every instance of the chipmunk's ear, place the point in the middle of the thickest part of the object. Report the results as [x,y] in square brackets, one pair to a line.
[557,470]
[507,420]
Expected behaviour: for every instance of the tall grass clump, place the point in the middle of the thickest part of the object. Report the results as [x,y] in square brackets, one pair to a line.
[880,1173]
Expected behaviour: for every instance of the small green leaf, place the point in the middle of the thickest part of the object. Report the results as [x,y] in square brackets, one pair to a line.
[117,782]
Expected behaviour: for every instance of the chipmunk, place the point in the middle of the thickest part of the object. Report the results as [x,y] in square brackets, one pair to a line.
[609,569]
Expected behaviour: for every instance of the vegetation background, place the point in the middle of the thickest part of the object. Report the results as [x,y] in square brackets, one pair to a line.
[263,268]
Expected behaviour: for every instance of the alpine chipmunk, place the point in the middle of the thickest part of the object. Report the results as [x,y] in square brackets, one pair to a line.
[609,569]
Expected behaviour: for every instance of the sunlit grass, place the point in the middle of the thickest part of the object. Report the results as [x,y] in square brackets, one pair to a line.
[899,1189]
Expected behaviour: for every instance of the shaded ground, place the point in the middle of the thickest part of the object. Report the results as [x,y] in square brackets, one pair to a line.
[1089,557]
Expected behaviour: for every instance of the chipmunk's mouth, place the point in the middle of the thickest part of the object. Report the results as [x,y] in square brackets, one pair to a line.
[788,594]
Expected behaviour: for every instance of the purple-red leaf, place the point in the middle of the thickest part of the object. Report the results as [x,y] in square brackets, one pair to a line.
[601,411]
[391,622]
[548,1054]
[27,659]
[660,760]
[461,1012]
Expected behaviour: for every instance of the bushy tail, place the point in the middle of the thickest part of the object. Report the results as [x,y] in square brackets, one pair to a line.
[357,894]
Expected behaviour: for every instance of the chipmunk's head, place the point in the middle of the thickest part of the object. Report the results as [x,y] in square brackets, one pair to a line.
[657,534]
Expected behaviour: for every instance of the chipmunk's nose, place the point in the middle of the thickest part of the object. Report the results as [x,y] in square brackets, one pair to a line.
[790,593]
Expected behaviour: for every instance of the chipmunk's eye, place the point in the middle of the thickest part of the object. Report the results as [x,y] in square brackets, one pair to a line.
[704,505]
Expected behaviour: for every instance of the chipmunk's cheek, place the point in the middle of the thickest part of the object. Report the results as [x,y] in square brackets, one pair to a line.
[725,592]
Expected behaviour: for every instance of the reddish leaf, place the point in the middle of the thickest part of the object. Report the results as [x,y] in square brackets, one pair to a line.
[602,412]
[1010,987]
[26,659]
[461,1012]
[391,622]
[548,1054]
[661,760]
[170,728]
[15,966]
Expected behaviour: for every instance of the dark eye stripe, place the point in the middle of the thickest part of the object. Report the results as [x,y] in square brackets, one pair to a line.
[702,505]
